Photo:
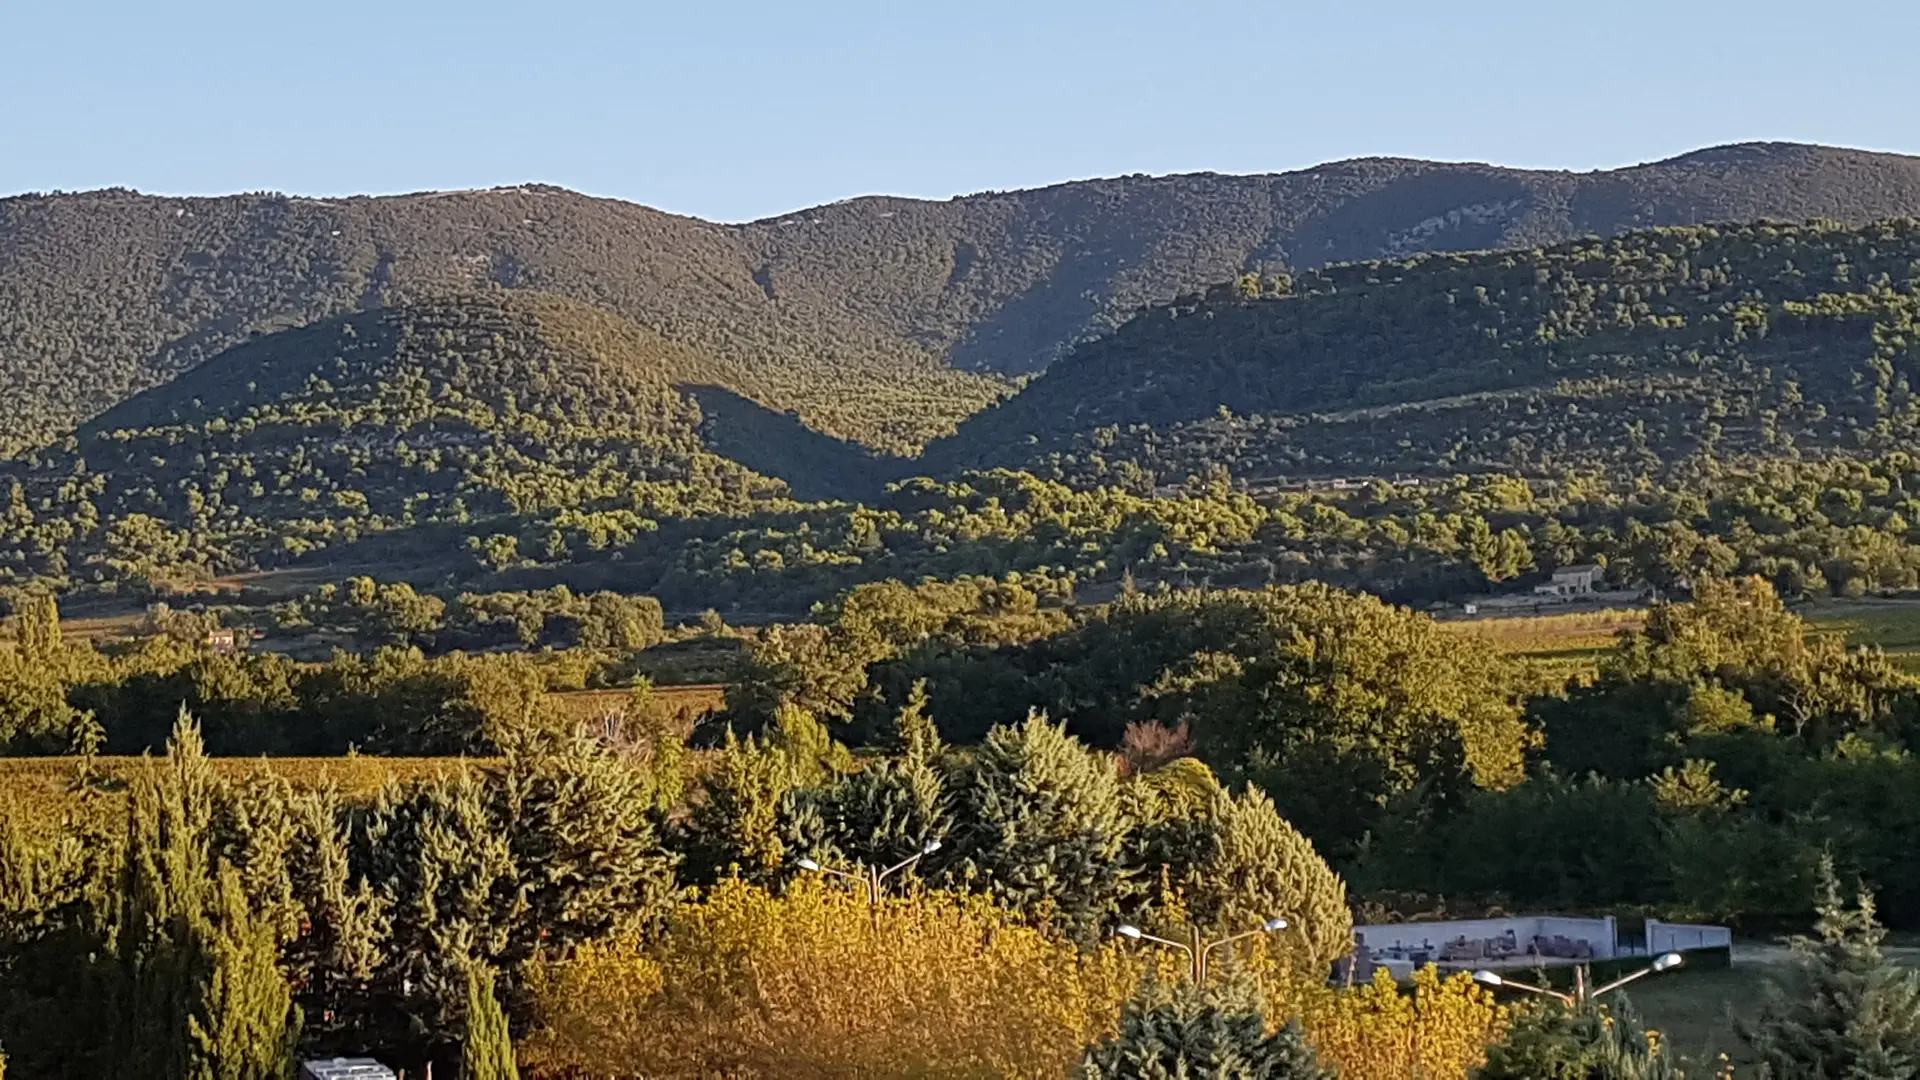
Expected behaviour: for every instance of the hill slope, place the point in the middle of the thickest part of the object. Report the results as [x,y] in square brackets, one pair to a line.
[1633,353]
[853,315]
[450,412]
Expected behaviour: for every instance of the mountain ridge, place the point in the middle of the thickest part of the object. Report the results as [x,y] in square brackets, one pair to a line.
[881,319]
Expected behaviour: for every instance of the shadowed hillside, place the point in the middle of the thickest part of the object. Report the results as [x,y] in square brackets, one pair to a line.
[854,315]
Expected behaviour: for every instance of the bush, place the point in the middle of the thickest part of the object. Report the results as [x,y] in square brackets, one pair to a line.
[815,983]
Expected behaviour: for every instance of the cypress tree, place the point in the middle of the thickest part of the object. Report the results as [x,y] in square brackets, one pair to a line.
[914,732]
[1237,864]
[1852,1014]
[1182,1032]
[487,1053]
[200,995]
[247,1025]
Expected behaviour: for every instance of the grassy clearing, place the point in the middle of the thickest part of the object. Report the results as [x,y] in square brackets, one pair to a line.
[1558,647]
[1696,1011]
[1555,648]
[1892,625]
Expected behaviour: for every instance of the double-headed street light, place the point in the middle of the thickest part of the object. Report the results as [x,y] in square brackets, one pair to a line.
[872,877]
[1581,994]
[1198,950]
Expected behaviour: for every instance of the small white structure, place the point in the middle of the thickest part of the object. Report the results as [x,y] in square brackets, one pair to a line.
[1572,581]
[345,1069]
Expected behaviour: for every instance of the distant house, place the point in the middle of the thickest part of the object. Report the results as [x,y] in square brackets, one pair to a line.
[1572,581]
[222,642]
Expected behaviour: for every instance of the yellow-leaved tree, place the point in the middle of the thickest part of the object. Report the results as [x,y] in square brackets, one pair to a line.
[1438,1031]
[815,983]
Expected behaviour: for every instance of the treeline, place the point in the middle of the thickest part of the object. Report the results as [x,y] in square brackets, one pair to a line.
[374,614]
[1720,753]
[222,924]
[1813,528]
[60,697]
[1205,761]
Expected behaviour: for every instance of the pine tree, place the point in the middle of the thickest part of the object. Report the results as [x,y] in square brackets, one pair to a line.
[1853,1014]
[487,1052]
[1586,1042]
[1041,824]
[587,859]
[443,870]
[346,924]
[1174,1031]
[886,812]
[735,827]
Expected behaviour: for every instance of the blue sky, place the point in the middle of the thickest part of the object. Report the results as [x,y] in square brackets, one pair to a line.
[742,109]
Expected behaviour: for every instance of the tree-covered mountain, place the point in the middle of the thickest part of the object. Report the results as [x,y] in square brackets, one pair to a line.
[1627,355]
[1670,402]
[863,317]
[445,412]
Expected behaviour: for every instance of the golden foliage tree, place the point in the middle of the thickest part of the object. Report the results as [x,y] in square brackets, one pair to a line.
[815,984]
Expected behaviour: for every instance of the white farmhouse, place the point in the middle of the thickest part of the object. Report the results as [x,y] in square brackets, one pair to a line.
[1572,581]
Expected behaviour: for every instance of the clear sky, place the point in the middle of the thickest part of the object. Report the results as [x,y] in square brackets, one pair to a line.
[736,109]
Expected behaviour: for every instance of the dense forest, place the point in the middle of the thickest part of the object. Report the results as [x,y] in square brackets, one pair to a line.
[840,312]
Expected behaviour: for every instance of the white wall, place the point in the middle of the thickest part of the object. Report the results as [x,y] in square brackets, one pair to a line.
[1666,937]
[1600,933]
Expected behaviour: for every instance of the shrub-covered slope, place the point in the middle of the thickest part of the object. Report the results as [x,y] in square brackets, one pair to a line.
[854,315]
[1638,351]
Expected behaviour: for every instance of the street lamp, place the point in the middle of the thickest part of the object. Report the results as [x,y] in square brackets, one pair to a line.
[1197,951]
[1581,995]
[872,877]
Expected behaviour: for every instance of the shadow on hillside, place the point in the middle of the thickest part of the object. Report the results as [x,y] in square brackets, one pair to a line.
[775,444]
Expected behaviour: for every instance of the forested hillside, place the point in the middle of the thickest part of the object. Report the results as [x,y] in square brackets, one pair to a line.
[450,411]
[854,315]
[1628,355]
[1669,403]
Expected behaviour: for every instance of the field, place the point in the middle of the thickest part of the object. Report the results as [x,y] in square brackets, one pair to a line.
[47,790]
[1892,625]
[1555,648]
[1696,1011]
[1559,647]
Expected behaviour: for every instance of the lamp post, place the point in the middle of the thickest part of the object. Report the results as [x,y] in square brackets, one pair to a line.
[1581,994]
[1198,950]
[872,877]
